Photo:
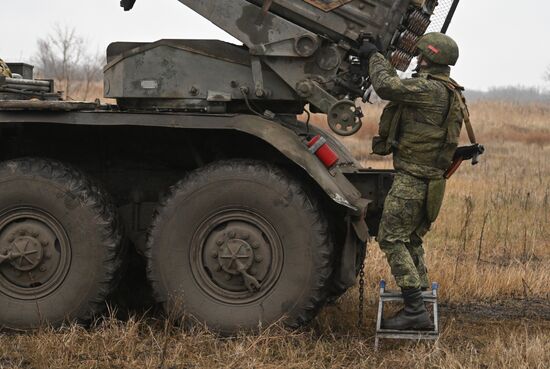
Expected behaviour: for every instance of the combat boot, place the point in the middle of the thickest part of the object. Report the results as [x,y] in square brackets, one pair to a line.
[414,316]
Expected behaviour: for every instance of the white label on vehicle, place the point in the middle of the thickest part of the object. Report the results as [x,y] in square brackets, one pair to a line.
[149,84]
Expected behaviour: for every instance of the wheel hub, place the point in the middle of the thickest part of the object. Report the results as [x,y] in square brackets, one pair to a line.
[26,253]
[235,254]
[34,253]
[240,256]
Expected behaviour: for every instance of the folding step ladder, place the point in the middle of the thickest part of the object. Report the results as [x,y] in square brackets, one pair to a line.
[392,296]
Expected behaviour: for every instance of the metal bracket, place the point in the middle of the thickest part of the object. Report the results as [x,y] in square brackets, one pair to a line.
[302,46]
[315,94]
[258,77]
[317,145]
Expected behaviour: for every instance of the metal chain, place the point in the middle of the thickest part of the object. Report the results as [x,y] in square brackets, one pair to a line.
[361,294]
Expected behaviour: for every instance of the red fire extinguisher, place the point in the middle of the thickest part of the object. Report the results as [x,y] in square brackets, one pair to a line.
[319,147]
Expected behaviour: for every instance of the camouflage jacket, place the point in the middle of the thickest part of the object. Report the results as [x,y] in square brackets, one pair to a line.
[4,69]
[426,104]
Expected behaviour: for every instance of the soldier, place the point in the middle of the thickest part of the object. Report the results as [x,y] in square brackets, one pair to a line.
[4,69]
[421,127]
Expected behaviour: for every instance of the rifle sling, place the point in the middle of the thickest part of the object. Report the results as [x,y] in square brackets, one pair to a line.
[467,121]
[456,88]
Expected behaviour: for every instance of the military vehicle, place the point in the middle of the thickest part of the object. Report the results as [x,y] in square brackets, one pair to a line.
[244,214]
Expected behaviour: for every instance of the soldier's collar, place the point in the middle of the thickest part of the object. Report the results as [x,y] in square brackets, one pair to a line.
[434,70]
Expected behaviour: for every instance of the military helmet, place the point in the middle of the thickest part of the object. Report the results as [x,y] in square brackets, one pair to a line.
[438,48]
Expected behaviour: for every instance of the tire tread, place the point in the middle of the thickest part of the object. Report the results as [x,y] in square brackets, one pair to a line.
[322,239]
[93,197]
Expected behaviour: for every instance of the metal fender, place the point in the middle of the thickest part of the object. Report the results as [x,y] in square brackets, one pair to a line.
[283,136]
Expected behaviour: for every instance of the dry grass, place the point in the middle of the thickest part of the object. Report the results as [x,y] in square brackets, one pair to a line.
[82,90]
[138,343]
[494,270]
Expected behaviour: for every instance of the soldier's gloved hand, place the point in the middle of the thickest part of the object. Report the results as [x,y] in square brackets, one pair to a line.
[366,51]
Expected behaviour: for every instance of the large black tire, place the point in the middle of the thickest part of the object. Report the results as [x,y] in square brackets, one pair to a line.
[237,204]
[69,231]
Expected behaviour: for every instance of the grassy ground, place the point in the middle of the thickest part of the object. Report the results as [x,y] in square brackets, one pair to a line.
[464,343]
[489,250]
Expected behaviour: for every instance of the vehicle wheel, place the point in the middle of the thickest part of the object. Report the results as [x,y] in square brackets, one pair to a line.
[59,244]
[239,245]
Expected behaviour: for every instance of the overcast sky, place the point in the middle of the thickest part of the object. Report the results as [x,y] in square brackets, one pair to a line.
[503,42]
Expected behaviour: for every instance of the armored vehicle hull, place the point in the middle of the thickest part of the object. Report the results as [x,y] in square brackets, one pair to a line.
[219,186]
[200,182]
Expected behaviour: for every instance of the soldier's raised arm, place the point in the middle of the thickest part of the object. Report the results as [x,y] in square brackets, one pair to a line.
[389,86]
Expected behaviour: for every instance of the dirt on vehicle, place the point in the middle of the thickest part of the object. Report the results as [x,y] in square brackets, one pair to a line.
[236,211]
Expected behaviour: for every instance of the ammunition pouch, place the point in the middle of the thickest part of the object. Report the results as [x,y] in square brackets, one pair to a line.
[386,141]
[434,201]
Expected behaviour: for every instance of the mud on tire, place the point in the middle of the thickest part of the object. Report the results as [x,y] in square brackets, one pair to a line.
[235,216]
[60,234]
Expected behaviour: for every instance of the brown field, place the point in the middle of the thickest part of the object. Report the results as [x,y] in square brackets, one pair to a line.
[489,250]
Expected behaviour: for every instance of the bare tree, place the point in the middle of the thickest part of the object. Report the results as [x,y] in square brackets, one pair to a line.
[547,74]
[62,55]
[92,71]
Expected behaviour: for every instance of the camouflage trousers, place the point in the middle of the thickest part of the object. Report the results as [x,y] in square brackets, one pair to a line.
[4,70]
[402,227]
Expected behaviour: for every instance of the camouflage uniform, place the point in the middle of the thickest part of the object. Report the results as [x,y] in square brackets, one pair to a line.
[426,104]
[4,69]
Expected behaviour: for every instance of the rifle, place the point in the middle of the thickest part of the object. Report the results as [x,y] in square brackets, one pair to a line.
[464,153]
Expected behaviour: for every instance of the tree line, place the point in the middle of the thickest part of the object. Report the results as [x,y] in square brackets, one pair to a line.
[65,56]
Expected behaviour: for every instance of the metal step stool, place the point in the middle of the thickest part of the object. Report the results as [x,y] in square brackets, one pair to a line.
[388,296]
